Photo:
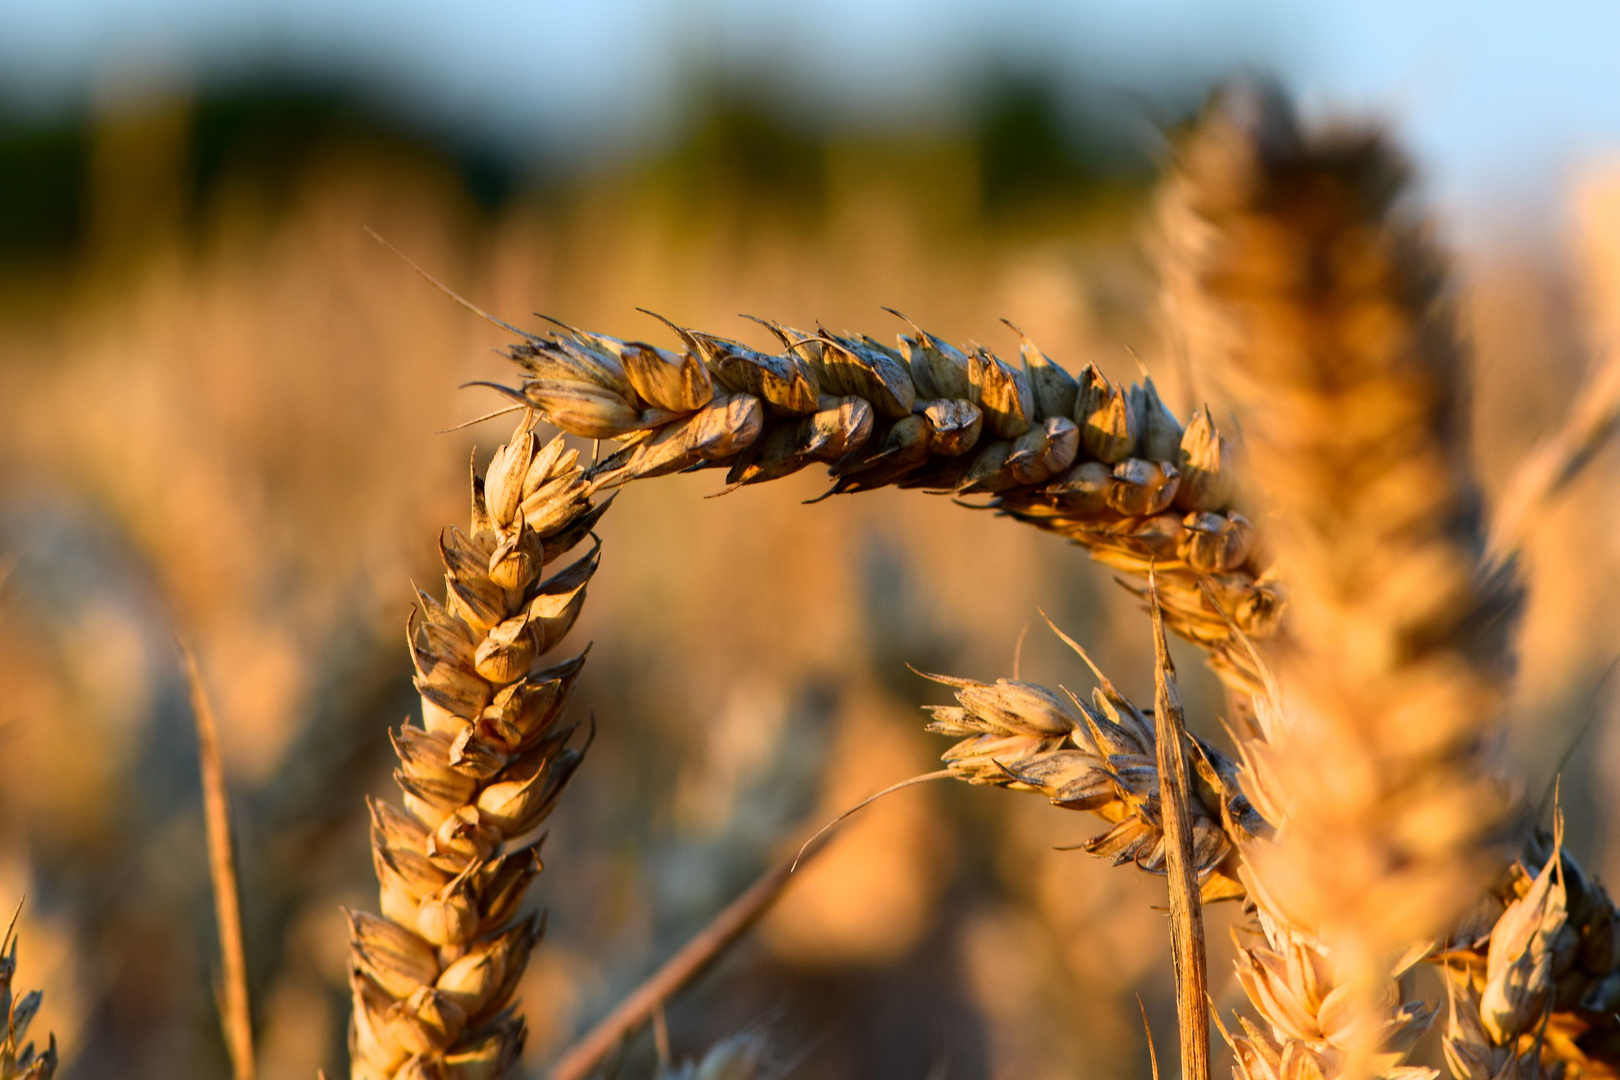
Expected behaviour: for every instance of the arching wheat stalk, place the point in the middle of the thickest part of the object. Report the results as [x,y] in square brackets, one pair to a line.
[1106,465]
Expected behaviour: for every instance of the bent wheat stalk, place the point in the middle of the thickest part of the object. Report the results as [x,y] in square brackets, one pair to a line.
[1299,275]
[433,977]
[1106,465]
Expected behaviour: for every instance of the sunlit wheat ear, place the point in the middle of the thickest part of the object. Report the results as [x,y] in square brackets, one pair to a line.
[1501,1002]
[1100,756]
[1323,306]
[433,978]
[1105,464]
[18,1058]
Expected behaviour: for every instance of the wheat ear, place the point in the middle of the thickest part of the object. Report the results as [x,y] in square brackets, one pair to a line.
[18,1060]
[1324,308]
[433,978]
[1535,981]
[1106,465]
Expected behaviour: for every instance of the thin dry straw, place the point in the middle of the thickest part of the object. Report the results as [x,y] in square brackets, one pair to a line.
[940,774]
[1557,459]
[591,1049]
[235,1018]
[1186,913]
[1153,1054]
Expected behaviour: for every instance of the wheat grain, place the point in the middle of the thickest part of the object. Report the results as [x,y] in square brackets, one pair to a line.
[1547,945]
[433,978]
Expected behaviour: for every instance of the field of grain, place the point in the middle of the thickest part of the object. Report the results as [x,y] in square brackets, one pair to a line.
[222,417]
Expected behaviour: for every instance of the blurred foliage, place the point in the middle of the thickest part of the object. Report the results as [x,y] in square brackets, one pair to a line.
[739,142]
[42,189]
[262,135]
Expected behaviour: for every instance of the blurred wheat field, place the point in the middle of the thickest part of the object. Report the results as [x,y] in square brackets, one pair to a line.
[221,422]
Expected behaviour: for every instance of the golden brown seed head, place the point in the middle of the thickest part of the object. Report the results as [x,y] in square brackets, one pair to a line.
[674,382]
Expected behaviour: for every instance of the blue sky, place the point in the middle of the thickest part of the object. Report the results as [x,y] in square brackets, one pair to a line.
[1500,101]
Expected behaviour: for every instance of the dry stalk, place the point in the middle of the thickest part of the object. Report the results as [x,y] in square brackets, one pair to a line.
[1324,308]
[235,1016]
[18,1060]
[433,978]
[1186,911]
[647,1000]
[1558,458]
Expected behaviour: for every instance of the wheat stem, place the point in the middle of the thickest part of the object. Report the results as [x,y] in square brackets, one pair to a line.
[1186,911]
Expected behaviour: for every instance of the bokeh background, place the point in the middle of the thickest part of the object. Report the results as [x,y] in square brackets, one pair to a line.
[220,417]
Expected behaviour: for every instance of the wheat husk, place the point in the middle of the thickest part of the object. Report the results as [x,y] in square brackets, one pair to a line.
[434,976]
[1545,942]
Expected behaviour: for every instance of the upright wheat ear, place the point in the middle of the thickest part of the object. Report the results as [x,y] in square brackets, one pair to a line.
[1324,307]
[433,978]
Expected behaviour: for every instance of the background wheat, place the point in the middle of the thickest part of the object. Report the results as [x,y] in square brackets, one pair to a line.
[18,1059]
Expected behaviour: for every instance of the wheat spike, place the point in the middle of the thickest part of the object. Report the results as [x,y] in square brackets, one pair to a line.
[1106,465]
[1535,979]
[1323,307]
[433,978]
[18,1059]
[1100,757]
